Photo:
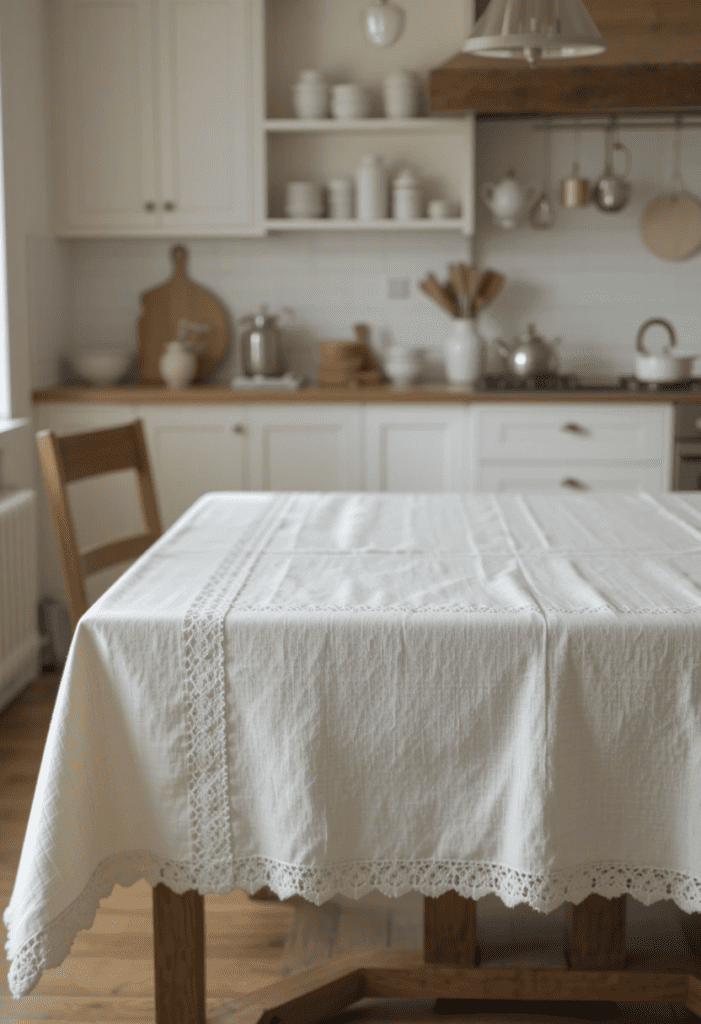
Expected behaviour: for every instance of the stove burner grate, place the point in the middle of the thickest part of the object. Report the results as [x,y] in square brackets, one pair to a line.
[542,382]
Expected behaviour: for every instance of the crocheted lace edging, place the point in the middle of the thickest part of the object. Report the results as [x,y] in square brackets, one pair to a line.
[50,946]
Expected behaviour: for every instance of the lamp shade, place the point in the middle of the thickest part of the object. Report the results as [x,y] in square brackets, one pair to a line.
[533,30]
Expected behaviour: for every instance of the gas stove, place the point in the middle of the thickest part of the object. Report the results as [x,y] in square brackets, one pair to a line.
[570,382]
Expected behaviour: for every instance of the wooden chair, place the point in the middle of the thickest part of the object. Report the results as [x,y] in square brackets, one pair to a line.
[75,457]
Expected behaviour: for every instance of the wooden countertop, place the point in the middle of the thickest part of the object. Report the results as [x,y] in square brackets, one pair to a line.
[202,394]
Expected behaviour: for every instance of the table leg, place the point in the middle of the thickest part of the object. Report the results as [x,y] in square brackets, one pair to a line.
[450,930]
[178,956]
[596,934]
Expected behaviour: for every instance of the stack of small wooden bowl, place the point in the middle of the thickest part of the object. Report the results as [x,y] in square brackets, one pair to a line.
[348,363]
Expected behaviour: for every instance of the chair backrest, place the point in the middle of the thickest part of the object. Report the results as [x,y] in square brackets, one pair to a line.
[75,457]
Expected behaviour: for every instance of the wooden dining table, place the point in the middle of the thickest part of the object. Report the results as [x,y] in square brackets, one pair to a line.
[337,693]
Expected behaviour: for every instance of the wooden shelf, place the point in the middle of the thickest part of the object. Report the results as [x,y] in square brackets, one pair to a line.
[388,224]
[468,84]
[367,124]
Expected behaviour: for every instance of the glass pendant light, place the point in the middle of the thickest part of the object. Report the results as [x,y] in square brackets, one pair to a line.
[383,22]
[535,30]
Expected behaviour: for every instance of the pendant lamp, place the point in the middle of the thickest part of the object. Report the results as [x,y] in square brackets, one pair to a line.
[383,22]
[535,30]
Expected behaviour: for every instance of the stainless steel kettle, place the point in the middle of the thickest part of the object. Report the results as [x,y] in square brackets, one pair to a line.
[530,355]
[260,345]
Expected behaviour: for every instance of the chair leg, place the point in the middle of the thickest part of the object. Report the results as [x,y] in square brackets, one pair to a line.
[178,955]
[596,934]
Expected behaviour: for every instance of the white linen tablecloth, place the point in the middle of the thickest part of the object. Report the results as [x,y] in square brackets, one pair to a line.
[334,693]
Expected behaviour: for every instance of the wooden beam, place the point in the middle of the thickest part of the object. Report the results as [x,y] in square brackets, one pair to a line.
[491,87]
[596,934]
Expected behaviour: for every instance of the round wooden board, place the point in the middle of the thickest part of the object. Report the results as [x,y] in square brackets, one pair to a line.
[671,226]
[162,308]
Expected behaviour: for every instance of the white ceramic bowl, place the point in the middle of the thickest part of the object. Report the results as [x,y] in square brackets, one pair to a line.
[101,366]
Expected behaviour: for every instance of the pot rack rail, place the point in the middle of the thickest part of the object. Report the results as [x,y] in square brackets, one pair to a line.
[614,122]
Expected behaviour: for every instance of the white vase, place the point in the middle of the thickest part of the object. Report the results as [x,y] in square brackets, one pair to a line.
[177,365]
[463,353]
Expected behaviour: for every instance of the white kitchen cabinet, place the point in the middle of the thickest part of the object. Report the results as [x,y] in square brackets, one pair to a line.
[571,445]
[104,508]
[571,476]
[306,448]
[194,449]
[416,447]
[158,103]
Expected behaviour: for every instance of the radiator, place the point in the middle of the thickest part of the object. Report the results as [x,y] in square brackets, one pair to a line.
[20,643]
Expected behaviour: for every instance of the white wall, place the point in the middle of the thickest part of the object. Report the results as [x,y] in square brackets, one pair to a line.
[26,173]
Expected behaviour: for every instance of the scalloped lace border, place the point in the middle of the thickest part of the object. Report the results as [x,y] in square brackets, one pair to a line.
[544,892]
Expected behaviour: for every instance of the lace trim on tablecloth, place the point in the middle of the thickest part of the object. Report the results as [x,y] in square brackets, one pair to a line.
[544,892]
[205,703]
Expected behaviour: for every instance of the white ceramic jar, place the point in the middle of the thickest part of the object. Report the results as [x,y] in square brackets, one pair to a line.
[371,189]
[348,101]
[177,365]
[401,95]
[311,95]
[463,353]
[340,192]
[303,199]
[406,196]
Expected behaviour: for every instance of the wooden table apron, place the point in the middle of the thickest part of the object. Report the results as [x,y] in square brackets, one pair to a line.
[599,969]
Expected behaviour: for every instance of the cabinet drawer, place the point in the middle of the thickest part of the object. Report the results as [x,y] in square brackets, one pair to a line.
[571,477]
[574,431]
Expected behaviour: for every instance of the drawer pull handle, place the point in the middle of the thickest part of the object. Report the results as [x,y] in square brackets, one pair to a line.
[169,206]
[574,428]
[573,484]
[238,428]
[149,207]
[697,423]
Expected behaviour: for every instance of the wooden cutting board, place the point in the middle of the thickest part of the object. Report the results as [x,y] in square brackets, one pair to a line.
[162,308]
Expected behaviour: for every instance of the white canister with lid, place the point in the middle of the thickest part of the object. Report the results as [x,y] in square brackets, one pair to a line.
[371,189]
[340,191]
[401,95]
[311,95]
[406,196]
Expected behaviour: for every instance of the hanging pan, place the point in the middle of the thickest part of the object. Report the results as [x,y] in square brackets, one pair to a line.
[671,226]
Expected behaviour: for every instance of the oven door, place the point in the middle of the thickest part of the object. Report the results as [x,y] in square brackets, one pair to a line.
[687,466]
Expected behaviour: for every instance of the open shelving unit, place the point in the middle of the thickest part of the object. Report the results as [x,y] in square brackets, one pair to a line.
[327,35]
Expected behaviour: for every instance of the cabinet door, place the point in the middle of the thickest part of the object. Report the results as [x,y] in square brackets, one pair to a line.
[571,477]
[106,125]
[416,447]
[104,508]
[193,450]
[209,69]
[306,447]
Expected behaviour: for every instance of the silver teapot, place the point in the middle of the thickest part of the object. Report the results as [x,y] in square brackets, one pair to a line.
[260,345]
[530,355]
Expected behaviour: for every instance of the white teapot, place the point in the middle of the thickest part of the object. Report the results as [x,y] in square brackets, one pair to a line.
[506,200]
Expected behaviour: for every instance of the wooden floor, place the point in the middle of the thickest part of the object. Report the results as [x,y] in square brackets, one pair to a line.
[109,973]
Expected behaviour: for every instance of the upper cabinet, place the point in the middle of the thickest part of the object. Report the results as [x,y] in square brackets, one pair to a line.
[157,117]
